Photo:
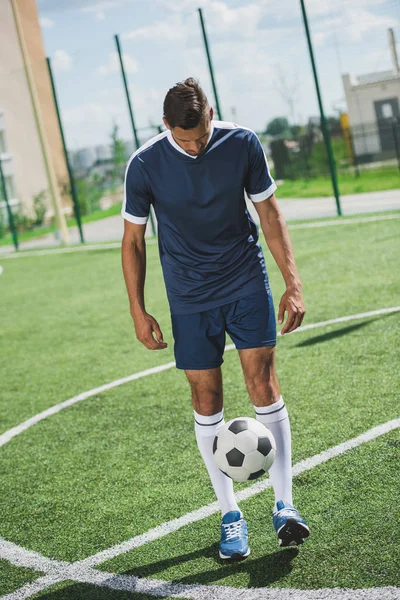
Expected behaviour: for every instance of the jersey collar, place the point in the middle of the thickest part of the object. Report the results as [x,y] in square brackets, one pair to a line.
[177,146]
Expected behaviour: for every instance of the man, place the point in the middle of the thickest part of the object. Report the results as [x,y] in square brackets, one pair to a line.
[194,174]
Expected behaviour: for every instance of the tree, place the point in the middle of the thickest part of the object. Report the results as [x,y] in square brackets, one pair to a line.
[118,156]
[289,91]
[277,126]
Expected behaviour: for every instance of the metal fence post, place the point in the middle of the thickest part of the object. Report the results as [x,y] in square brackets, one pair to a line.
[395,123]
[214,85]
[9,211]
[74,195]
[321,109]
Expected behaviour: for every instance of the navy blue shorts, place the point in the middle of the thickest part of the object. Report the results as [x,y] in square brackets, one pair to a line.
[200,337]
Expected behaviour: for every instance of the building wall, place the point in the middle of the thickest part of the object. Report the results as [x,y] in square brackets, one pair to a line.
[360,98]
[361,110]
[34,43]
[18,117]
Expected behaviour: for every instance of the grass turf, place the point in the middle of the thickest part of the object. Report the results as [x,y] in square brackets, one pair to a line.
[12,577]
[369,181]
[94,474]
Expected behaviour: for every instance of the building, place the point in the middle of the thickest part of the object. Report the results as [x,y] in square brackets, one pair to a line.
[20,147]
[8,171]
[373,103]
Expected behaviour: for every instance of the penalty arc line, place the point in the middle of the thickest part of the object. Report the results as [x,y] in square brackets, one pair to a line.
[18,429]
[8,435]
[83,571]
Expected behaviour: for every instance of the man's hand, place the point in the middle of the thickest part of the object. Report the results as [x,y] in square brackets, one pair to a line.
[145,325]
[292,303]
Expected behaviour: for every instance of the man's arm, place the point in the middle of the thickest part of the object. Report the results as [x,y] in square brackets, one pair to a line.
[277,237]
[134,269]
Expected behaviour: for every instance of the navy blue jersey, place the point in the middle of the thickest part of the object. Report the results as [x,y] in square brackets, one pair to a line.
[208,242]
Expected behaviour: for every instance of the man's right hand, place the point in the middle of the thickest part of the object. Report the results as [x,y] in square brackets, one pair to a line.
[145,325]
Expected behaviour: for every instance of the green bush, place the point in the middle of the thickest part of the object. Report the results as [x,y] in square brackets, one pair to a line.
[39,206]
[89,194]
[3,228]
[22,222]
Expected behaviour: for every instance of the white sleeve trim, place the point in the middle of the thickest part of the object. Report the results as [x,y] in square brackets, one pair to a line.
[133,219]
[263,195]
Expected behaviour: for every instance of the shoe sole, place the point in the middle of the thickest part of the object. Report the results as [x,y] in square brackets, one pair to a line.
[235,555]
[292,533]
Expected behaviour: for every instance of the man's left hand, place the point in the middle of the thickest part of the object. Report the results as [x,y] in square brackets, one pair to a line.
[292,303]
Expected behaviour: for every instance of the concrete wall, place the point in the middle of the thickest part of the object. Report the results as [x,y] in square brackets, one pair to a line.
[21,131]
[361,110]
[360,98]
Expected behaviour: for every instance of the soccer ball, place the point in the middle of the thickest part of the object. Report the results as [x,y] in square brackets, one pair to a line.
[244,449]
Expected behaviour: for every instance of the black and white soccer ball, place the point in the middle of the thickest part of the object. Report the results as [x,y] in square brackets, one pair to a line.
[244,449]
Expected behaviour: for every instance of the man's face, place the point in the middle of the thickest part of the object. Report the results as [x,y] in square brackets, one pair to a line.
[193,141]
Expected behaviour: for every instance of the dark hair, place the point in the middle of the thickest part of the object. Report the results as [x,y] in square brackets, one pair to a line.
[185,105]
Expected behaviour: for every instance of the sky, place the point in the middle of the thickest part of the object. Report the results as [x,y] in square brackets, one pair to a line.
[258,48]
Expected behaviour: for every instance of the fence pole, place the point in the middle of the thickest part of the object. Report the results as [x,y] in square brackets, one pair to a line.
[9,211]
[396,122]
[321,110]
[217,105]
[128,99]
[74,195]
[353,152]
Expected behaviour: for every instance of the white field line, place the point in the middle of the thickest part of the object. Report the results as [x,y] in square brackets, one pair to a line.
[83,571]
[83,248]
[1,269]
[111,245]
[8,435]
[343,222]
[14,431]
[210,509]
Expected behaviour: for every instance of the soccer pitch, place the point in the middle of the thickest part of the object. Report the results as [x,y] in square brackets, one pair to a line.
[119,463]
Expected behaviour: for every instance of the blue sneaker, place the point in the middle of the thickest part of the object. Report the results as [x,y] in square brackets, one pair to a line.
[233,544]
[290,527]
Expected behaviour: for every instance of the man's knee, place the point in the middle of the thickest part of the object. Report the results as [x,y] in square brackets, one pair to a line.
[260,376]
[206,387]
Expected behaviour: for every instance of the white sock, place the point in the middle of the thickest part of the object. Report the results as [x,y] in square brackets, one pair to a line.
[276,418]
[206,428]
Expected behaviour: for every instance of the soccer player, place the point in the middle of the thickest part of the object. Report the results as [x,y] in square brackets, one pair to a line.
[195,174]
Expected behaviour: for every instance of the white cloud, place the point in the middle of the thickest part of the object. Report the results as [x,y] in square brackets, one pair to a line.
[358,23]
[62,61]
[100,16]
[103,5]
[46,23]
[171,31]
[113,65]
[91,122]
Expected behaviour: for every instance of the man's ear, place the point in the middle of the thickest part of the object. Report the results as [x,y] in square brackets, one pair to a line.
[166,123]
[211,113]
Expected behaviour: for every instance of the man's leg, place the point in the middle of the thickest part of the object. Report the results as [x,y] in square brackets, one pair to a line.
[262,384]
[207,399]
[199,348]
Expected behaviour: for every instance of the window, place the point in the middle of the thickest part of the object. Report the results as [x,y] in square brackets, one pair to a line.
[387,110]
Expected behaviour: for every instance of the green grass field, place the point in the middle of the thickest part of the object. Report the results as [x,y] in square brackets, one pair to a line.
[385,178]
[124,461]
